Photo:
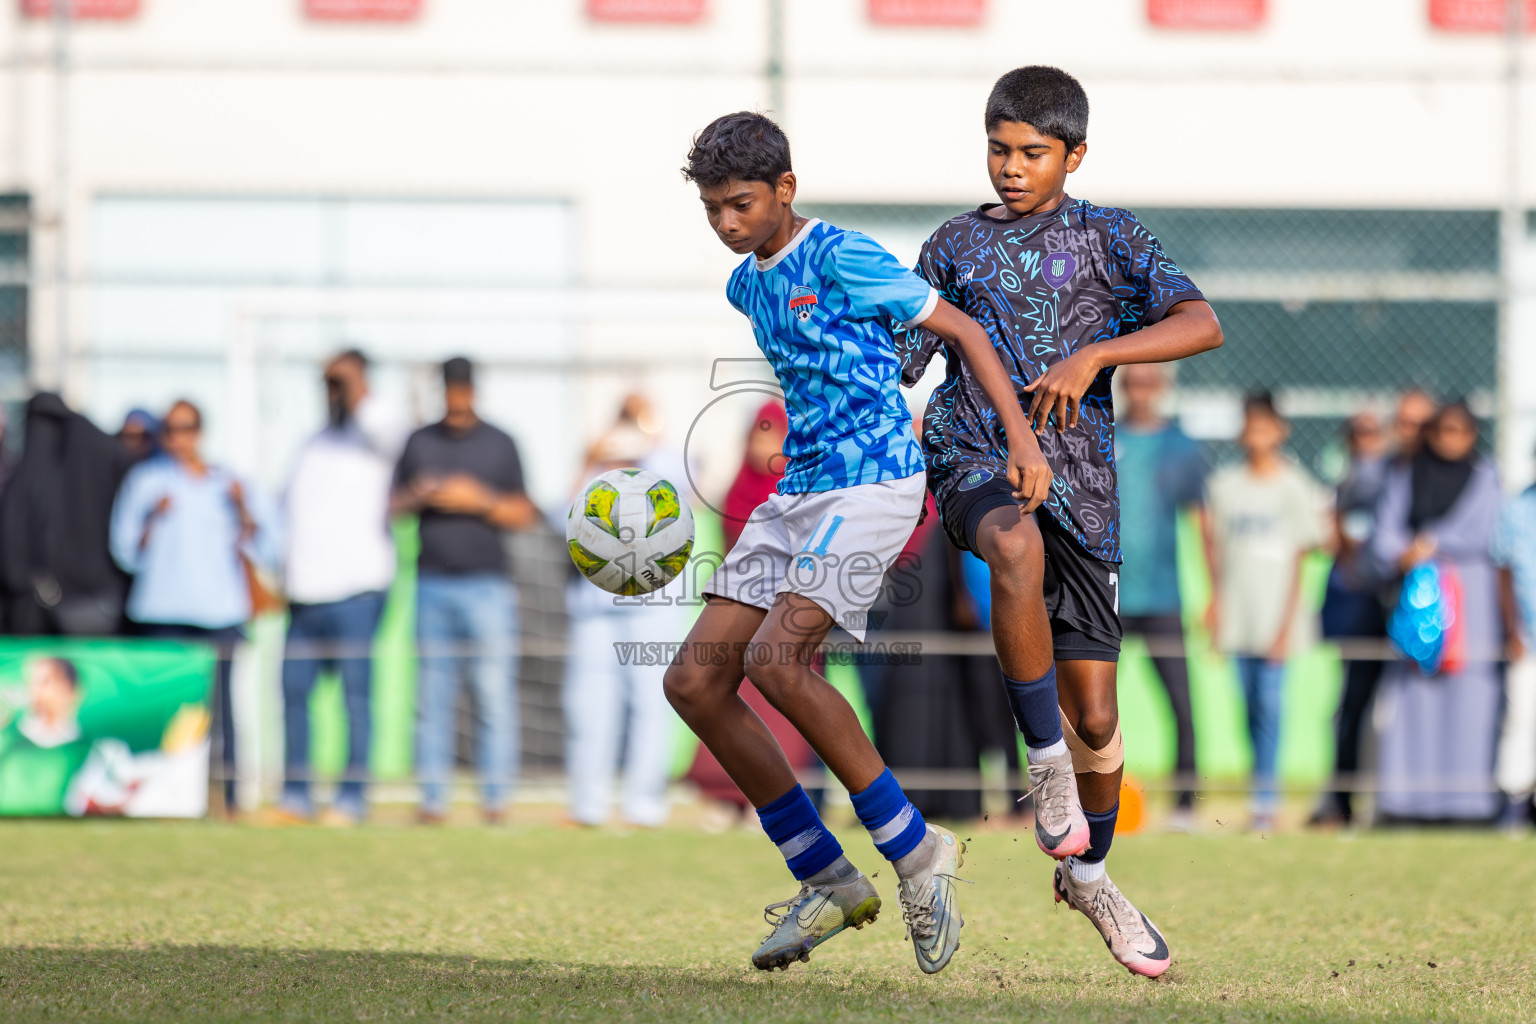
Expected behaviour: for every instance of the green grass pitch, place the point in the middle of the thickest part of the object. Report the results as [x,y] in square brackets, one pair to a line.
[142,921]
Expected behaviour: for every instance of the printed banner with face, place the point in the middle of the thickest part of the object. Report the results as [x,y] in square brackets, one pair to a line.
[104,727]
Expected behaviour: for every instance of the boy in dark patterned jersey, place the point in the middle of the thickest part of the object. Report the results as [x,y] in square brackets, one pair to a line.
[1067,291]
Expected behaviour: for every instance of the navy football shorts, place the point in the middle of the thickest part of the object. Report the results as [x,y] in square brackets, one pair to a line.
[1082,593]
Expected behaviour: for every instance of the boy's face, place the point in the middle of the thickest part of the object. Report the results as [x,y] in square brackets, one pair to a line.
[746,214]
[1028,170]
[52,695]
[1263,433]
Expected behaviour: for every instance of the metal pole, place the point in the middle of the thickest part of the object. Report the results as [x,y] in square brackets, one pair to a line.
[1511,238]
[63,361]
[775,68]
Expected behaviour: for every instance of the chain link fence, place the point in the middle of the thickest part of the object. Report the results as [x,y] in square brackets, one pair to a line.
[1334,311]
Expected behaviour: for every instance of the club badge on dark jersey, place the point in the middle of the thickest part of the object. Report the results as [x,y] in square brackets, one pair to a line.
[1043,287]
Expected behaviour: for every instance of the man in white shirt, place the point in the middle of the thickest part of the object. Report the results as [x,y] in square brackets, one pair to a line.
[340,562]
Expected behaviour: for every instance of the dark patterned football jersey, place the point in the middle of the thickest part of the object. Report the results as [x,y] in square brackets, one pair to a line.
[1043,287]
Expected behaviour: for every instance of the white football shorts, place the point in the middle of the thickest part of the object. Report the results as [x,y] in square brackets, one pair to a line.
[833,547]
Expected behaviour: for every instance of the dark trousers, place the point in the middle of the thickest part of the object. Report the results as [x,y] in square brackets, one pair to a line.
[1166,631]
[1363,617]
[224,641]
[334,635]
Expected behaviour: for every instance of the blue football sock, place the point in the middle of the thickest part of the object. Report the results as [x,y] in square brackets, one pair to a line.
[1101,832]
[1035,708]
[796,829]
[895,826]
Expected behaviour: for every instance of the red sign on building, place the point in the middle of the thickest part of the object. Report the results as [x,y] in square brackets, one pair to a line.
[927,12]
[1215,14]
[82,8]
[1477,15]
[675,11]
[362,10]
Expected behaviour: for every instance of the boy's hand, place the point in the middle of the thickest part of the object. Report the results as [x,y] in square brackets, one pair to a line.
[1029,473]
[1059,390]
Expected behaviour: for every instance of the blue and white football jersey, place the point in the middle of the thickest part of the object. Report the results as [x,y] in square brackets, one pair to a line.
[820,308]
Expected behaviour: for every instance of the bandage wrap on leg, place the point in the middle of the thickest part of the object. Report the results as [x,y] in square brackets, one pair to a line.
[1104,761]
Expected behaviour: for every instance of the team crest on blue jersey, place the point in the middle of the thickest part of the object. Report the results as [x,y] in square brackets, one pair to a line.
[1058,268]
[800,302]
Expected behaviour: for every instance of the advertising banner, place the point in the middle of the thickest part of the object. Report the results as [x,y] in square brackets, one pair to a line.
[646,10]
[82,8]
[927,12]
[1478,15]
[104,727]
[1207,14]
[363,10]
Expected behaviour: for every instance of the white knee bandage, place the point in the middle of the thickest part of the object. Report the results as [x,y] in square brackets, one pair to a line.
[1104,761]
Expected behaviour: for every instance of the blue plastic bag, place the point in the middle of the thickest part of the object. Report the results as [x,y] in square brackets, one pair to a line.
[1422,620]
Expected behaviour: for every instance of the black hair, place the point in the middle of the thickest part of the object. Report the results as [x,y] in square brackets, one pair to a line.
[458,370]
[182,403]
[353,355]
[1261,401]
[743,146]
[1047,98]
[67,670]
[1454,407]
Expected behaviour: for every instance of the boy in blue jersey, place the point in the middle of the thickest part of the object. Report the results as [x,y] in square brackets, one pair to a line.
[814,554]
[1067,291]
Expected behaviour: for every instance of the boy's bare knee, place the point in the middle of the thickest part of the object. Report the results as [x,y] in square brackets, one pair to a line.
[1096,726]
[1015,554]
[773,680]
[688,686]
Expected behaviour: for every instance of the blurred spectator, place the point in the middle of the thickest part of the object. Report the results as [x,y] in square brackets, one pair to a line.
[138,434]
[612,708]
[762,466]
[340,562]
[192,534]
[1264,520]
[56,568]
[1414,411]
[1352,606]
[464,479]
[1514,552]
[1438,732]
[1162,474]
[5,457]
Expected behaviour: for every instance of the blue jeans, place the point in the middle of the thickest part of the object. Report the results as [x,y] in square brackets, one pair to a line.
[335,635]
[1262,681]
[466,625]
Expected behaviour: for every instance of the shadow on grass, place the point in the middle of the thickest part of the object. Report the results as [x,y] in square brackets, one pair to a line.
[233,983]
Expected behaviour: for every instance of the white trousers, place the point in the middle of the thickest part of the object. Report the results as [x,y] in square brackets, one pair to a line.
[1516,770]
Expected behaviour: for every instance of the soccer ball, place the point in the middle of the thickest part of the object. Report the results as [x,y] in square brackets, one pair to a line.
[629,532]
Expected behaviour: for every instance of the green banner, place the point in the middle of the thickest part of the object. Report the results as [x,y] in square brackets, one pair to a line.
[104,727]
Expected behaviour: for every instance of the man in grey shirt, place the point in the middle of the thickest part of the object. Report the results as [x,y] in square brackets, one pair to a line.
[464,479]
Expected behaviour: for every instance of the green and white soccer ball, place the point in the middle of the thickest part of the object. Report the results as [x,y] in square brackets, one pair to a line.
[630,532]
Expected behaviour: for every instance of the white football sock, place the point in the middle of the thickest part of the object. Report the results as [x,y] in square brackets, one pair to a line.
[1085,871]
[1038,754]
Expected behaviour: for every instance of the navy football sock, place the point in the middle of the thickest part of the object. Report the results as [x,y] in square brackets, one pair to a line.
[796,829]
[1035,708]
[895,826]
[1101,832]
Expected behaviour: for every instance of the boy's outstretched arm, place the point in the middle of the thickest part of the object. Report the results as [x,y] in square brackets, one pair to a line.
[1028,471]
[1189,328]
